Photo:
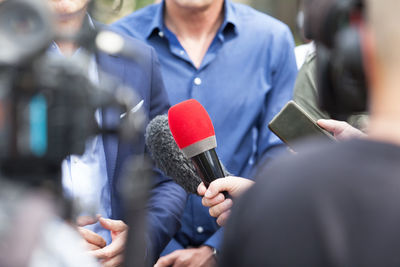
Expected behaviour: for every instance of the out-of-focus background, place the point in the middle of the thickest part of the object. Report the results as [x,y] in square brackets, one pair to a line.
[285,10]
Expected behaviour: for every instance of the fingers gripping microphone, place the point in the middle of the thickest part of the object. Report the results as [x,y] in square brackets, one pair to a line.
[194,134]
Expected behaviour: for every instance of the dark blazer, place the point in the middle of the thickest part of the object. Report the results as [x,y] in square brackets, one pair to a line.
[167,199]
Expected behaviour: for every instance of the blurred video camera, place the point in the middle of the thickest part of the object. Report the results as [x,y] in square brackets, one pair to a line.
[335,26]
[48,103]
[48,109]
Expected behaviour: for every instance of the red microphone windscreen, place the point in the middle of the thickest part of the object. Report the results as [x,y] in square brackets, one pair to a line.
[191,127]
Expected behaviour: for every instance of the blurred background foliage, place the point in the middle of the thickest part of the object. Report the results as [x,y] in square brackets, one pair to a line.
[108,11]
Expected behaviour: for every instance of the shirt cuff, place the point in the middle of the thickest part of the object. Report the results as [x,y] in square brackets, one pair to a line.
[216,239]
[171,247]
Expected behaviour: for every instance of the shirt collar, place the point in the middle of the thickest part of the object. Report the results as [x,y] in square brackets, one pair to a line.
[230,16]
[158,20]
[157,23]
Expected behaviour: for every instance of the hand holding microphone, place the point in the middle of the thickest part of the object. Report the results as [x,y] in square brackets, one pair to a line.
[169,158]
[220,207]
[183,147]
[194,134]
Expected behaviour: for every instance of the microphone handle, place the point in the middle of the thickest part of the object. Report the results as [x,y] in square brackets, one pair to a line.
[209,168]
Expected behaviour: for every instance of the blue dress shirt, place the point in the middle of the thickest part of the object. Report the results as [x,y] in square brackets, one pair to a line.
[245,78]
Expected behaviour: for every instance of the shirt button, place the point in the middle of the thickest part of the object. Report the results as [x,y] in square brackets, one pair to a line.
[197,81]
[182,52]
[200,230]
[161,34]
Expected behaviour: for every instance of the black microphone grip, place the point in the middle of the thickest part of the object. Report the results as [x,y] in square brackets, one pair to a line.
[209,168]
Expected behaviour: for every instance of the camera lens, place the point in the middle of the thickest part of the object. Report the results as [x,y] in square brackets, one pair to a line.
[25,30]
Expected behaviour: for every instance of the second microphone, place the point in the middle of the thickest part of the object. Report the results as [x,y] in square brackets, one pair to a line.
[194,134]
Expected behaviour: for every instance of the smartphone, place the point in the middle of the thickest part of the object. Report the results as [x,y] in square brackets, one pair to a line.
[292,123]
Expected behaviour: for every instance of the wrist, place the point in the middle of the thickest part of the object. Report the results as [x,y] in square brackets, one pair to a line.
[213,251]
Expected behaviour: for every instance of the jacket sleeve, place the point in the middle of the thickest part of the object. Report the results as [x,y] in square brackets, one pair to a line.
[305,90]
[167,199]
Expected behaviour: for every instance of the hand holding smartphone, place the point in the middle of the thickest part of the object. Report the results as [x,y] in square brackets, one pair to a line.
[292,123]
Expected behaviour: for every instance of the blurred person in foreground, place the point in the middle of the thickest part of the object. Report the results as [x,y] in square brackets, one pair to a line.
[240,65]
[93,178]
[332,205]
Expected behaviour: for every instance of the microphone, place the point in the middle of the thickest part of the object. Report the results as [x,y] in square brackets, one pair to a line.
[194,134]
[168,157]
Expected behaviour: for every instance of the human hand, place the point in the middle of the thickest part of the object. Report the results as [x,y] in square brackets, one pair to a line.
[112,255]
[213,197]
[92,240]
[341,130]
[191,257]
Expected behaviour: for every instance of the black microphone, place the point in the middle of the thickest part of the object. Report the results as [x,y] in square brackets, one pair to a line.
[194,134]
[169,158]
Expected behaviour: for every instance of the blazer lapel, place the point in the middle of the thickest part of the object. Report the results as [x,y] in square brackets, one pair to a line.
[110,65]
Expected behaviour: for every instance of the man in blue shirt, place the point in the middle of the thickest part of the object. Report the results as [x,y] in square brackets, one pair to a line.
[239,64]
